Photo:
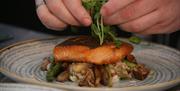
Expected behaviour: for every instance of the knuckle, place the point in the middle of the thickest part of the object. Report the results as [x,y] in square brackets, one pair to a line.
[165,18]
[53,7]
[51,24]
[126,13]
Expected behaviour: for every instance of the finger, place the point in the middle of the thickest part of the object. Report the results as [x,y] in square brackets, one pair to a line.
[59,10]
[132,11]
[39,3]
[48,19]
[113,6]
[142,23]
[78,11]
[162,28]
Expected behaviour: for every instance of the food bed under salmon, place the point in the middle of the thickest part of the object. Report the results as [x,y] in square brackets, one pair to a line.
[82,60]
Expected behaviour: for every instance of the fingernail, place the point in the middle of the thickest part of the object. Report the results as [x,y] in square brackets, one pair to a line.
[86,21]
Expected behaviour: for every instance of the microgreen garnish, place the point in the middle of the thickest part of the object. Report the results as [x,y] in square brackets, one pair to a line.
[135,39]
[98,29]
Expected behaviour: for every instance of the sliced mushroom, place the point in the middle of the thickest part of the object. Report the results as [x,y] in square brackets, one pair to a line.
[65,65]
[97,74]
[44,64]
[64,76]
[131,58]
[106,78]
[141,72]
[78,67]
[89,79]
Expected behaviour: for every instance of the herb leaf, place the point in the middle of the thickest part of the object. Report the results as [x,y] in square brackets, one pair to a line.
[135,39]
[98,29]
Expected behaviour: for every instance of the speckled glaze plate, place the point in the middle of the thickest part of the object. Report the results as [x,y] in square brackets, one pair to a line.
[24,87]
[21,62]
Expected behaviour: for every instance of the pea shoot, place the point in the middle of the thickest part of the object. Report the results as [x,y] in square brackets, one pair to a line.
[54,70]
[135,40]
[98,29]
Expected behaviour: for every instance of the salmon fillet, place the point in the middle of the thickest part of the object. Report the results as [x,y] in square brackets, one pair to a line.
[87,49]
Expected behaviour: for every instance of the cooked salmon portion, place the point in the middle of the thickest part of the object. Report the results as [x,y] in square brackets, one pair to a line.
[86,49]
[69,53]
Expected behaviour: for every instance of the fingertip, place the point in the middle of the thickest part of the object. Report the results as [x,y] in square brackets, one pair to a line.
[103,11]
[87,21]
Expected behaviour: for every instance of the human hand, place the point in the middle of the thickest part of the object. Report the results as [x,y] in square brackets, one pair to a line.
[143,16]
[57,14]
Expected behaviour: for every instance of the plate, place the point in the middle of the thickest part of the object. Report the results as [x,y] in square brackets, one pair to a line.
[24,87]
[21,62]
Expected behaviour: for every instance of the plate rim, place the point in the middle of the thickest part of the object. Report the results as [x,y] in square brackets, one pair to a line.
[29,86]
[33,81]
[15,77]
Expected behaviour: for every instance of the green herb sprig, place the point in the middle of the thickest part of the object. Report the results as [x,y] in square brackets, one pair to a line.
[54,70]
[98,29]
[135,39]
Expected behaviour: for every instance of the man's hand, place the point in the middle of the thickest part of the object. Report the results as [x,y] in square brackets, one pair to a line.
[143,16]
[57,14]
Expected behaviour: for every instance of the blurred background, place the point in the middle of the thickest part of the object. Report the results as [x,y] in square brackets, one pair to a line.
[18,21]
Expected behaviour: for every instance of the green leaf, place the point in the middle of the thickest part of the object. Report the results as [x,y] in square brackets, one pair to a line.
[88,4]
[117,42]
[98,29]
[51,58]
[97,16]
[130,64]
[53,72]
[135,39]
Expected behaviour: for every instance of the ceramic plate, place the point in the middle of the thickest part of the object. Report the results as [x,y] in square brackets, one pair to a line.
[24,87]
[21,62]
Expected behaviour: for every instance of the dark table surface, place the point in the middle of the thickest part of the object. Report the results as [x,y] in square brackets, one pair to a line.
[11,34]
